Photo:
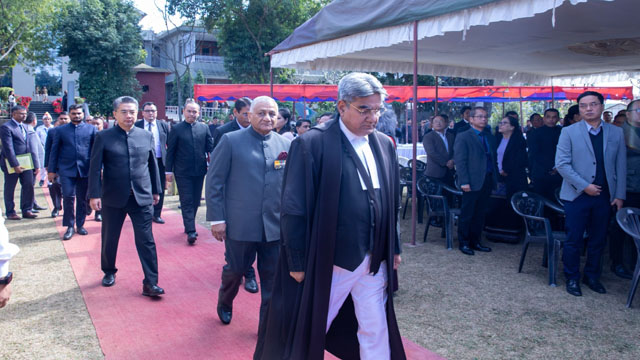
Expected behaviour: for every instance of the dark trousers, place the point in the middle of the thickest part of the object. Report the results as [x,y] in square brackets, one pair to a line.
[547,185]
[26,191]
[157,209]
[74,188]
[190,192]
[239,256]
[590,213]
[112,220]
[621,243]
[55,191]
[472,213]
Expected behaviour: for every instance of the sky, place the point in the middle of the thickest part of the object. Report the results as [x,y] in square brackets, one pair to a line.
[153,20]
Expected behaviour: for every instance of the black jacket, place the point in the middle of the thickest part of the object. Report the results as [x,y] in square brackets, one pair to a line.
[188,147]
[221,130]
[163,130]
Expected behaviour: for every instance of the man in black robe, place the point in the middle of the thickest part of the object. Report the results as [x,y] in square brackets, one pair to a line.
[340,246]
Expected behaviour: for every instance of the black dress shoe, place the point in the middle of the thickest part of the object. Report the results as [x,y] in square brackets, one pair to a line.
[573,288]
[620,271]
[82,231]
[29,215]
[465,249]
[191,238]
[69,233]
[54,213]
[594,285]
[224,315]
[108,280]
[41,183]
[152,290]
[13,216]
[481,248]
[251,285]
[98,217]
[158,220]
[38,207]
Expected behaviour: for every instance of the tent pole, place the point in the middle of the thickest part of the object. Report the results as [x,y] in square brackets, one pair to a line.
[553,95]
[414,134]
[522,120]
[270,78]
[436,100]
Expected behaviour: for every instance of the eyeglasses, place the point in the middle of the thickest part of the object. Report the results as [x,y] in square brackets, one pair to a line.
[481,116]
[585,106]
[365,111]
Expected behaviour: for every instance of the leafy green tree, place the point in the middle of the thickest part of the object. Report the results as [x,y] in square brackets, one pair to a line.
[103,42]
[181,89]
[248,29]
[25,31]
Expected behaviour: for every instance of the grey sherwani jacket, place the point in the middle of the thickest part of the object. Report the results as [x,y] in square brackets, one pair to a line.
[576,161]
[244,184]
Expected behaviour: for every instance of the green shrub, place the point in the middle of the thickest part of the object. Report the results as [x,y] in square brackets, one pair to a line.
[4,93]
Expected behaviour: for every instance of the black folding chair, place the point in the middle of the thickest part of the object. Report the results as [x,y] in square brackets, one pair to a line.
[529,206]
[437,206]
[629,221]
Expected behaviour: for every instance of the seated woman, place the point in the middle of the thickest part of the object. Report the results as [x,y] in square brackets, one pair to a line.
[512,156]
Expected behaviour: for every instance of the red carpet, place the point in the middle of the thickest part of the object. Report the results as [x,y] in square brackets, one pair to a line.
[182,324]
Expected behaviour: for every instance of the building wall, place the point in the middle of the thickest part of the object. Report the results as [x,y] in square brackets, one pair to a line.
[153,84]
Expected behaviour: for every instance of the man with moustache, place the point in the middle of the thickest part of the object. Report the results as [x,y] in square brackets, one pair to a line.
[55,189]
[160,131]
[70,155]
[129,185]
[592,159]
[187,148]
[243,191]
[15,141]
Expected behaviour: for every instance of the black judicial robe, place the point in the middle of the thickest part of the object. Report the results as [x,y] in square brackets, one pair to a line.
[295,323]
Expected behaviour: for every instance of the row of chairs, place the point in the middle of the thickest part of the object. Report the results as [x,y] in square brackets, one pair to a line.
[444,202]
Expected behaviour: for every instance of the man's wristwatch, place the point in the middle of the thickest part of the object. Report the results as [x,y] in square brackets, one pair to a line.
[7,279]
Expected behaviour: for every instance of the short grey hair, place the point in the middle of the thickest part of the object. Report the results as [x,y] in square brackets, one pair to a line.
[388,122]
[124,100]
[261,99]
[358,85]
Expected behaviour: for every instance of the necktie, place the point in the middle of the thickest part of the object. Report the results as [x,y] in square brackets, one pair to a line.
[24,133]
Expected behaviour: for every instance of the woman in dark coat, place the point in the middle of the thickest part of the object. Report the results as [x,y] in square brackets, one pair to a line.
[512,156]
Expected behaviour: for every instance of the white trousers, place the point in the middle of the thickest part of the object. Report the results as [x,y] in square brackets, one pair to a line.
[369,296]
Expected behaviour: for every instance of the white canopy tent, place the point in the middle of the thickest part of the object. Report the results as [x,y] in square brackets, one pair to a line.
[574,42]
[541,42]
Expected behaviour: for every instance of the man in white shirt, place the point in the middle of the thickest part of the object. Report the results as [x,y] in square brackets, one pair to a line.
[7,251]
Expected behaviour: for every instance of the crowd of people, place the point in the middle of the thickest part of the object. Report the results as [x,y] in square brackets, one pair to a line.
[316,206]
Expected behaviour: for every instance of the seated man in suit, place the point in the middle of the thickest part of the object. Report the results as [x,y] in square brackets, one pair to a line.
[129,185]
[438,144]
[592,160]
[15,141]
[244,184]
[475,158]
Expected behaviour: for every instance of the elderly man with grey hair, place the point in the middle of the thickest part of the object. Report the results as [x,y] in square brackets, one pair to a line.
[340,246]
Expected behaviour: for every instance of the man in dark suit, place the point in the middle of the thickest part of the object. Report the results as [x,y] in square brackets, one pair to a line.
[250,165]
[340,246]
[475,159]
[241,115]
[463,124]
[129,185]
[13,135]
[188,146]
[592,159]
[542,145]
[438,144]
[55,189]
[160,131]
[70,155]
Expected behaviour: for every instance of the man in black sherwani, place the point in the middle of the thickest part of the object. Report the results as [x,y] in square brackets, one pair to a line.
[340,245]
[130,185]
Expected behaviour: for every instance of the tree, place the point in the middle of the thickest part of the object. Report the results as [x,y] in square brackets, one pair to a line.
[103,42]
[248,29]
[52,82]
[25,31]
